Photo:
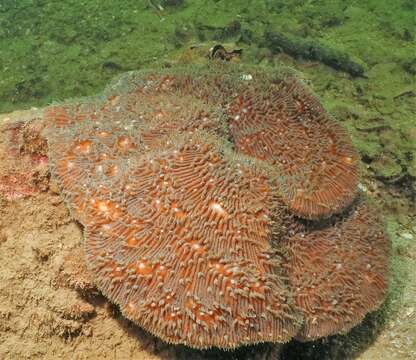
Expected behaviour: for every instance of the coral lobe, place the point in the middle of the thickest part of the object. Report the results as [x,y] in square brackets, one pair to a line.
[215,209]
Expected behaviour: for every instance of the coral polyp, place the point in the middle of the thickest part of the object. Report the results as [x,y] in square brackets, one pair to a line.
[219,206]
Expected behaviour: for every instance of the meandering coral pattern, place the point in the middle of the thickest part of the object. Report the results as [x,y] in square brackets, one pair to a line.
[219,209]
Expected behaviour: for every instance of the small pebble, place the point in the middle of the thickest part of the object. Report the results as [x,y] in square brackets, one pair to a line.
[407,236]
[362,187]
[247,77]
[410,311]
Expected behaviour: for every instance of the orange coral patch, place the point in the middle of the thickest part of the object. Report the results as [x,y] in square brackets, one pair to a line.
[192,189]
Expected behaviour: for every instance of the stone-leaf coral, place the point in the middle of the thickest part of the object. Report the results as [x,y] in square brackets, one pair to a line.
[337,271]
[286,126]
[191,185]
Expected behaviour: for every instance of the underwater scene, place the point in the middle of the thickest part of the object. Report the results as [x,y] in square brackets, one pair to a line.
[208,179]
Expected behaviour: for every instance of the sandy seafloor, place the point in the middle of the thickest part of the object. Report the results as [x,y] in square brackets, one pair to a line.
[46,310]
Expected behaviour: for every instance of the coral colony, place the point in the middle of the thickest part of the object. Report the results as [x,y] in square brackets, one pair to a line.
[220,206]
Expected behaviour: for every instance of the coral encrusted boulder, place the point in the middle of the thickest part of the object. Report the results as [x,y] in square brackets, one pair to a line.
[219,206]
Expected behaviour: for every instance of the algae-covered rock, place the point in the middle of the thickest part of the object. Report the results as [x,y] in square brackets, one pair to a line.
[171,2]
[368,145]
[411,169]
[410,66]
[312,50]
[387,168]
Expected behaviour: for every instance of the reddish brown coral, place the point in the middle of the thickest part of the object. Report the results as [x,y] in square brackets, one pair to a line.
[286,126]
[184,180]
[176,272]
[16,186]
[23,169]
[337,271]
